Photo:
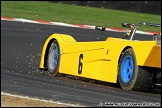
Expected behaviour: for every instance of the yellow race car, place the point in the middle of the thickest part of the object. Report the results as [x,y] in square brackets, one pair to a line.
[134,64]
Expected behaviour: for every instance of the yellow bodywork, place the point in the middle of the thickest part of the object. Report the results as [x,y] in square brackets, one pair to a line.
[99,59]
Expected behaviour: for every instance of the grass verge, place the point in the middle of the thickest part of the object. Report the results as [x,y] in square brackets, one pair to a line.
[55,12]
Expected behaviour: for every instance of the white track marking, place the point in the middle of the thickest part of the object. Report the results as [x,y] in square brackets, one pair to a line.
[41,100]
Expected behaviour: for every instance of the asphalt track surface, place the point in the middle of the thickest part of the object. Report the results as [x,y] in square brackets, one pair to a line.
[21,45]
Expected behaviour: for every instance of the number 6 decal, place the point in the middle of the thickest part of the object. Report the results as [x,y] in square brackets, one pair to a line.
[80,64]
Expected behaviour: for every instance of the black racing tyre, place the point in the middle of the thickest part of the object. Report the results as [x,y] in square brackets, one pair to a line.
[131,76]
[53,59]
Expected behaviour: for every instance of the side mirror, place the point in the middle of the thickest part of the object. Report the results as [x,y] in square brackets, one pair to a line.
[100,28]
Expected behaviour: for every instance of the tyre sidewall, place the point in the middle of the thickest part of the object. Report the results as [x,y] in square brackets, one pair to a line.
[53,72]
[131,83]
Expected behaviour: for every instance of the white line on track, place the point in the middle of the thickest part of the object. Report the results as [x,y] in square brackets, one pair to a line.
[41,100]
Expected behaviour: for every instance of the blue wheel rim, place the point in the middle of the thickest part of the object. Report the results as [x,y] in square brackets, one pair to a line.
[53,57]
[127,69]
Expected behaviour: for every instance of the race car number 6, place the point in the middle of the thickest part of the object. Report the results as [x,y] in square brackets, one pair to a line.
[80,66]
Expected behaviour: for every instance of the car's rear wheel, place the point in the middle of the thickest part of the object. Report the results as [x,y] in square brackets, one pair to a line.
[131,76]
[53,59]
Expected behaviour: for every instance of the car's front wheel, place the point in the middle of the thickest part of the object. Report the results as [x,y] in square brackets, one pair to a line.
[53,59]
[131,76]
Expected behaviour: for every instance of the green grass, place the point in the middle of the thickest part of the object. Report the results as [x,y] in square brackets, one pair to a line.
[56,12]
